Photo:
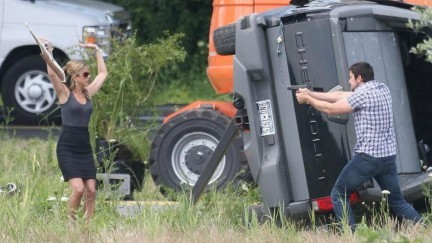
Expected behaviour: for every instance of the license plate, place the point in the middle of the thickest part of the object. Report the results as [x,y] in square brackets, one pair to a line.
[265,113]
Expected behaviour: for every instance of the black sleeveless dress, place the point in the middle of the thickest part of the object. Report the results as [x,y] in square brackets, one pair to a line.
[74,151]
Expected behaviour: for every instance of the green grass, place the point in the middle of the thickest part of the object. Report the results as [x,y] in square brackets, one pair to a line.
[217,217]
[177,92]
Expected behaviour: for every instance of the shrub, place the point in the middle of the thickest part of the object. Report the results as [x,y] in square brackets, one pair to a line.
[133,70]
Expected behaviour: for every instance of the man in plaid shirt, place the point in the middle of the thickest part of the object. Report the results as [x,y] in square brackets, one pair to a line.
[375,151]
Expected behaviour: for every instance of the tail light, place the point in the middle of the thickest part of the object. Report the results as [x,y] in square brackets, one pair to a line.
[100,35]
[325,204]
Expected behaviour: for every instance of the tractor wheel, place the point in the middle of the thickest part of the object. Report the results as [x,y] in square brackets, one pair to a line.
[224,39]
[183,145]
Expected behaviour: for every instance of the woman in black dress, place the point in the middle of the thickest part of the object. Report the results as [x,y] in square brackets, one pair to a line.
[74,152]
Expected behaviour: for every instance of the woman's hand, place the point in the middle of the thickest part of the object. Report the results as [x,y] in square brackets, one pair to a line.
[47,44]
[90,46]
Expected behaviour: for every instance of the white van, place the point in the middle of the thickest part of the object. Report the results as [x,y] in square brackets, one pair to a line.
[25,86]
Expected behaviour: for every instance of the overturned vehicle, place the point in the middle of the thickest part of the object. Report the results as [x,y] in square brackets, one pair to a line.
[295,153]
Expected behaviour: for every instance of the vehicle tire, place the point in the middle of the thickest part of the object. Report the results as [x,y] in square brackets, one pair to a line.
[183,145]
[27,89]
[224,39]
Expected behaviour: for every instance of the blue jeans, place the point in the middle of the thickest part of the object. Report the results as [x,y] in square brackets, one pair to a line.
[362,168]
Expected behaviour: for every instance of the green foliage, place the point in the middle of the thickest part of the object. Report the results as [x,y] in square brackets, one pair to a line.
[424,48]
[133,71]
[177,92]
[151,18]
[7,117]
[370,235]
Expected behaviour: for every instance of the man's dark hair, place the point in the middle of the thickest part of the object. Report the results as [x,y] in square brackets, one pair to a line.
[363,69]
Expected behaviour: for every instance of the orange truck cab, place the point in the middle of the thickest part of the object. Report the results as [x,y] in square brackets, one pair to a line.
[220,68]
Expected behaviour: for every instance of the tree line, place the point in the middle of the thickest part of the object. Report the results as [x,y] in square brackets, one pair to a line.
[152,19]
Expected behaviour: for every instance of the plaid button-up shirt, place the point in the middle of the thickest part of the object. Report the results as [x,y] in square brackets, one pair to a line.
[373,119]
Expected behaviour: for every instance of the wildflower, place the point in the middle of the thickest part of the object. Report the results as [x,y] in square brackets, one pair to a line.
[385,192]
[51,198]
[244,187]
[64,199]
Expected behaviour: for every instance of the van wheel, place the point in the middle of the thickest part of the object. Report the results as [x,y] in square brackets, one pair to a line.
[183,145]
[27,89]
[224,39]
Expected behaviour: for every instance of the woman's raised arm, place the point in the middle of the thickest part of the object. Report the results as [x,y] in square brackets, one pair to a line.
[61,89]
[97,83]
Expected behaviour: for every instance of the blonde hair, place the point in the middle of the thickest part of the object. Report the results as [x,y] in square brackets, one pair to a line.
[71,69]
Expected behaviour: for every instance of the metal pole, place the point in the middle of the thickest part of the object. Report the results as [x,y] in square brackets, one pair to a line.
[214,160]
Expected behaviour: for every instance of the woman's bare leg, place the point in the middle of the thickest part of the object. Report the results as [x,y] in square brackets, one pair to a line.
[77,187]
[89,198]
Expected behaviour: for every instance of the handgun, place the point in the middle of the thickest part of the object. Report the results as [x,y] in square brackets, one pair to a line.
[297,87]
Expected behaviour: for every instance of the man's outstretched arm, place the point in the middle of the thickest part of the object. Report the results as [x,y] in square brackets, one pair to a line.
[330,96]
[340,106]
